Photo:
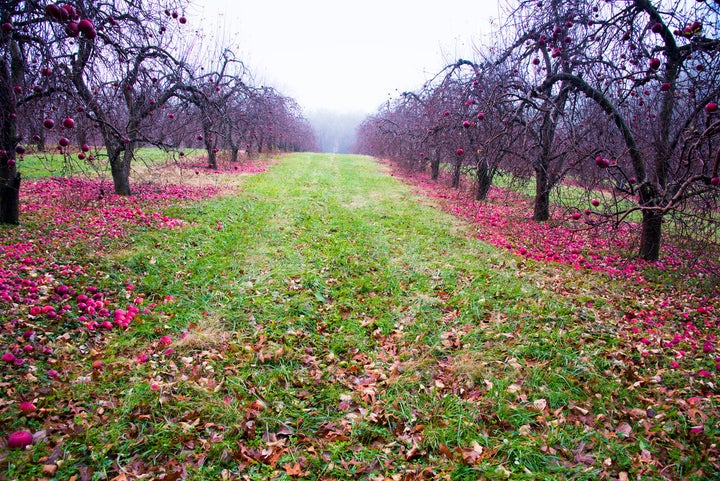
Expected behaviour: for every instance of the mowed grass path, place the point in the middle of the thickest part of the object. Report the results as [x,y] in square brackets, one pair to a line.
[327,324]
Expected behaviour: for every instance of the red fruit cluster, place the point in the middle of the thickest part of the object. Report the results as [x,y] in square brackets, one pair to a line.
[73,28]
[602,162]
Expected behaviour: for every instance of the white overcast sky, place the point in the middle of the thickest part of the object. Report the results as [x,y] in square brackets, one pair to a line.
[347,57]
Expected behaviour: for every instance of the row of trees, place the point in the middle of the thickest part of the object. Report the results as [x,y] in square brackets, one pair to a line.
[618,97]
[121,75]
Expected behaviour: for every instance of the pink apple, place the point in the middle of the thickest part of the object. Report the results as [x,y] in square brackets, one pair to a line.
[19,440]
[68,123]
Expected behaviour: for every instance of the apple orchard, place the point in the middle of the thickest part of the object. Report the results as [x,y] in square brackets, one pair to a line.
[585,138]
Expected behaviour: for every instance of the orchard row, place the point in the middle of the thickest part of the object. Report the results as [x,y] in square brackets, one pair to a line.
[617,99]
[86,78]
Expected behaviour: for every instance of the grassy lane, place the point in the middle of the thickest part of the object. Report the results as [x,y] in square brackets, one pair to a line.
[326,324]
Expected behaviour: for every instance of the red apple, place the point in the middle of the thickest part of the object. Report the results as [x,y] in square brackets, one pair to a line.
[715,181]
[46,72]
[481,116]
[68,123]
[711,107]
[536,61]
[27,407]
[70,11]
[20,149]
[576,215]
[18,89]
[85,148]
[654,63]
[86,26]
[595,202]
[459,152]
[53,10]
[48,123]
[656,27]
[72,29]
[7,26]
[182,20]
[81,156]
[466,124]
[19,440]
[199,137]
[665,87]
[11,163]
[97,364]
[63,142]
[172,116]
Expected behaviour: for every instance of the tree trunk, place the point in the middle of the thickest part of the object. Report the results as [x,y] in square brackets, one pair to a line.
[435,166]
[651,235]
[541,209]
[120,169]
[457,170]
[484,180]
[234,154]
[9,196]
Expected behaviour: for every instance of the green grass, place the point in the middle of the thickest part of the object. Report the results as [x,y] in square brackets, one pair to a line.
[339,322]
[53,164]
